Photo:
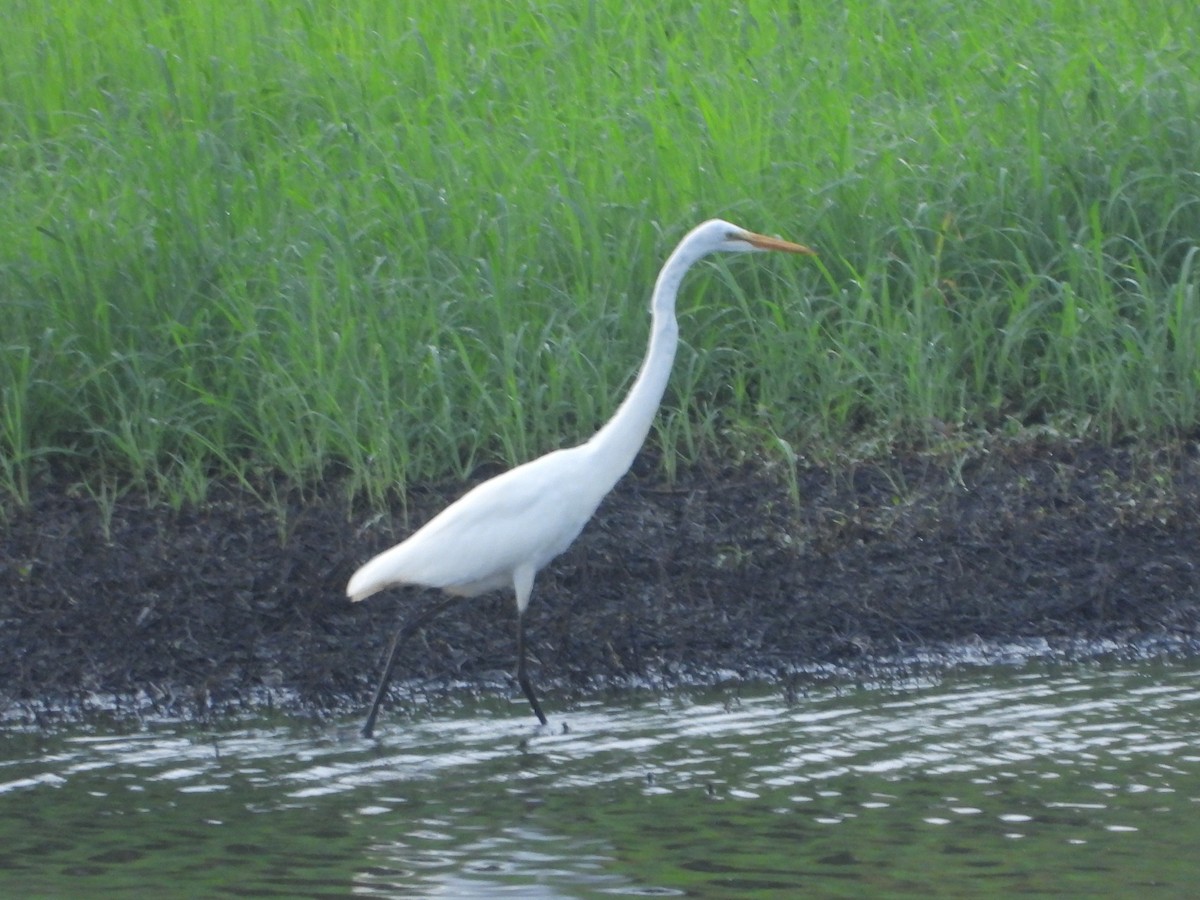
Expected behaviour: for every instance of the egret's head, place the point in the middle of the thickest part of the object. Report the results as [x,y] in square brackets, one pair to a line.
[713,236]
[717,235]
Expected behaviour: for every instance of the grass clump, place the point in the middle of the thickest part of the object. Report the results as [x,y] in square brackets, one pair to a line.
[279,240]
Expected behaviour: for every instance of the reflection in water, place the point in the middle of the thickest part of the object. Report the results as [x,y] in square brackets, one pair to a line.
[1081,781]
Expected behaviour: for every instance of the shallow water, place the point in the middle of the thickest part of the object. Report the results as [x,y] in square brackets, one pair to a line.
[1034,780]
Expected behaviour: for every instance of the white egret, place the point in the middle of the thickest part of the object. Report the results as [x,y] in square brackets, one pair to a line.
[501,533]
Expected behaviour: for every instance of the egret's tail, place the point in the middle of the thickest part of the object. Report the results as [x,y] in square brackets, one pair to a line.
[367,580]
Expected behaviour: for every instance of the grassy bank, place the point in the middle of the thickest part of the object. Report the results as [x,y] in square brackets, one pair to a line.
[399,241]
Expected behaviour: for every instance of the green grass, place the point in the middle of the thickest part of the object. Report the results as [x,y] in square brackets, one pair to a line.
[395,242]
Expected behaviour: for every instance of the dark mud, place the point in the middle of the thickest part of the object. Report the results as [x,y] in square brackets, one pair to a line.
[234,605]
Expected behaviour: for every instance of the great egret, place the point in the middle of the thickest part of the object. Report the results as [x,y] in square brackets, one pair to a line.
[501,533]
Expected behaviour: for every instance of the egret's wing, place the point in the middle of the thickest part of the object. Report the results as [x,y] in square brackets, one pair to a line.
[527,515]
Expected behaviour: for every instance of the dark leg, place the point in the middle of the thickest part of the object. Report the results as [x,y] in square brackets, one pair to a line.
[403,633]
[522,675]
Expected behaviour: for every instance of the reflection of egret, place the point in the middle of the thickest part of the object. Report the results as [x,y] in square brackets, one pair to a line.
[501,533]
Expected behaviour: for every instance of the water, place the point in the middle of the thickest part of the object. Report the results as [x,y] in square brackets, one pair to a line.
[1035,781]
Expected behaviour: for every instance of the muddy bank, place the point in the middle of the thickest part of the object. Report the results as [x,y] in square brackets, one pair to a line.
[231,604]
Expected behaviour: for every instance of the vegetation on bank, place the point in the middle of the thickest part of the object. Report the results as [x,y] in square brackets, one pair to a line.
[399,241]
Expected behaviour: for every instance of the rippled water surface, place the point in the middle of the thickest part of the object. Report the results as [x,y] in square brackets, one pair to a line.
[1079,781]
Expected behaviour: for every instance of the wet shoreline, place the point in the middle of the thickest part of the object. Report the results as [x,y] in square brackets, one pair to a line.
[1078,549]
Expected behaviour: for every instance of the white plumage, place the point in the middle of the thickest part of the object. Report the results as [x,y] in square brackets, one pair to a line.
[501,533]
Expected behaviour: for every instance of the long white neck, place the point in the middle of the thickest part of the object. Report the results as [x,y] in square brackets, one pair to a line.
[616,444]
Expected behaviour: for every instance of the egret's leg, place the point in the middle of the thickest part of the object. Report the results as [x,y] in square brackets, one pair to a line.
[522,675]
[403,633]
